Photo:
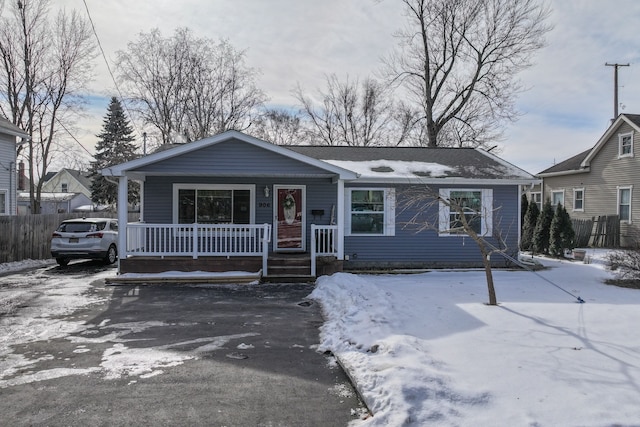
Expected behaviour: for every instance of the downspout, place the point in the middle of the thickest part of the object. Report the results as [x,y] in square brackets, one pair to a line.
[13,192]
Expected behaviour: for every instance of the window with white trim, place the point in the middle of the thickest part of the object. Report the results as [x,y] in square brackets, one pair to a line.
[4,202]
[476,206]
[537,199]
[625,144]
[370,211]
[557,197]
[213,204]
[578,199]
[624,203]
[64,187]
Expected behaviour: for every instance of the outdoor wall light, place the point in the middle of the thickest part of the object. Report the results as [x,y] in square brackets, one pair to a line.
[266,191]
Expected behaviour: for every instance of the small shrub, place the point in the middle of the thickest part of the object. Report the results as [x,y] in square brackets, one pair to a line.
[625,264]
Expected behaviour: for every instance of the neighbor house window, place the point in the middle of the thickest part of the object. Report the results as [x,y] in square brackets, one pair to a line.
[557,197]
[476,205]
[537,199]
[578,199]
[214,204]
[64,187]
[625,145]
[4,202]
[624,203]
[371,211]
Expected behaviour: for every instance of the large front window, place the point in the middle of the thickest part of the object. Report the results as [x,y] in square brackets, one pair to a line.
[459,206]
[205,204]
[371,211]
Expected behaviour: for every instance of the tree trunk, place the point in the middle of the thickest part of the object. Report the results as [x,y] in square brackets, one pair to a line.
[489,275]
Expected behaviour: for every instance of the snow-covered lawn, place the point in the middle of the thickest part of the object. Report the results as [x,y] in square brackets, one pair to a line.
[424,349]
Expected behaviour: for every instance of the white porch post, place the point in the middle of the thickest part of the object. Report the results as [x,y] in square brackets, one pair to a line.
[340,219]
[123,210]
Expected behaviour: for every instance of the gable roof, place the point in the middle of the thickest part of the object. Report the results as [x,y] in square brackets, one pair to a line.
[419,164]
[131,166]
[9,128]
[581,162]
[366,164]
[80,176]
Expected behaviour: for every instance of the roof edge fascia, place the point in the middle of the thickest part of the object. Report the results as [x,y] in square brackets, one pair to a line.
[562,173]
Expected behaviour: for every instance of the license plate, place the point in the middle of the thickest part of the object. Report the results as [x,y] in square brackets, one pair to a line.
[73,240]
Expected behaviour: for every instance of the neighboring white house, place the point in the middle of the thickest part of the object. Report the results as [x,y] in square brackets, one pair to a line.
[67,181]
[9,134]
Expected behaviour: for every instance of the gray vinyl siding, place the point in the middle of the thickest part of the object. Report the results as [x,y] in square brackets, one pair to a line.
[7,172]
[607,173]
[411,248]
[233,158]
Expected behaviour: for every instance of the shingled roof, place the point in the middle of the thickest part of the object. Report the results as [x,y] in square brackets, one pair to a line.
[416,162]
[572,164]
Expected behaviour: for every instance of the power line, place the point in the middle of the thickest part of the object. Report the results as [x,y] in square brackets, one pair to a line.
[104,56]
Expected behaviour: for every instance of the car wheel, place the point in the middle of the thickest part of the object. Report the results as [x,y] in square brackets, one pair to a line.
[62,262]
[112,255]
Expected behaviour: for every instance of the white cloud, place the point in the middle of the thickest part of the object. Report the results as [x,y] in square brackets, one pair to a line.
[567,106]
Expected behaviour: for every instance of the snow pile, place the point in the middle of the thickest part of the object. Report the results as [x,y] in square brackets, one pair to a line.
[425,349]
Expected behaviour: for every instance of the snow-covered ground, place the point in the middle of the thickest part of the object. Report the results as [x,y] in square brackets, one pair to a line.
[425,349]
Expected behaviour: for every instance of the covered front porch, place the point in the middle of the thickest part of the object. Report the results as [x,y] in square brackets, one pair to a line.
[217,248]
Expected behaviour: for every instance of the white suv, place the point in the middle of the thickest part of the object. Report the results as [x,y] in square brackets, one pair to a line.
[90,238]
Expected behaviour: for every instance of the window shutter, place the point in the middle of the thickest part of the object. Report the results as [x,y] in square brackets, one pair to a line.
[487,207]
[390,212]
[347,212]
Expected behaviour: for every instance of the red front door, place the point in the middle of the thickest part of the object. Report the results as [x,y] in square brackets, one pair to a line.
[289,221]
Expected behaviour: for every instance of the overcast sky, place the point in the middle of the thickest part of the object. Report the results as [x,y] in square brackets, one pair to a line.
[566,108]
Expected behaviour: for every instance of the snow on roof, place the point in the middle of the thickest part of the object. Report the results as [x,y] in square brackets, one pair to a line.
[394,168]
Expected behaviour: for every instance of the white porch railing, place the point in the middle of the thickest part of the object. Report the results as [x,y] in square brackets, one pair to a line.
[324,242]
[198,240]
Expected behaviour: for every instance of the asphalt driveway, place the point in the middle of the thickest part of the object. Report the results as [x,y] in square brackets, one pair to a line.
[225,355]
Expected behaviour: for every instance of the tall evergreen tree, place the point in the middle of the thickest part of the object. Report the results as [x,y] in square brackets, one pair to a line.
[529,226]
[543,225]
[561,234]
[115,146]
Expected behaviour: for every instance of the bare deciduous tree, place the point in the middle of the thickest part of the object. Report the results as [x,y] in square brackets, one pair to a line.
[457,212]
[354,114]
[457,63]
[279,127]
[45,66]
[188,86]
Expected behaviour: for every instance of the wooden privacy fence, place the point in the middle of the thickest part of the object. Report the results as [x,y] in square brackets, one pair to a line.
[601,232]
[28,236]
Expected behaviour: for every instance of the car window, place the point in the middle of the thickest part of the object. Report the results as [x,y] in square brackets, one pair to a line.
[114,225]
[81,227]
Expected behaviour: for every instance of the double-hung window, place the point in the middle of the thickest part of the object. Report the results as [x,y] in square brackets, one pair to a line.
[476,205]
[625,145]
[214,204]
[371,211]
[578,199]
[557,197]
[537,199]
[4,203]
[624,203]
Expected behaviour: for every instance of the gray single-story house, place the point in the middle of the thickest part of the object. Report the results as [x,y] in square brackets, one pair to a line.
[232,202]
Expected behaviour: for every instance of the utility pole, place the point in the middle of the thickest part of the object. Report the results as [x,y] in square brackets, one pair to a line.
[615,87]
